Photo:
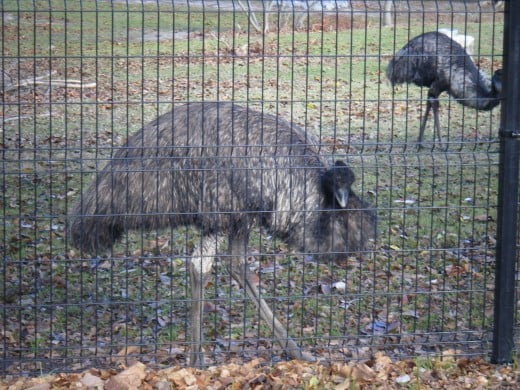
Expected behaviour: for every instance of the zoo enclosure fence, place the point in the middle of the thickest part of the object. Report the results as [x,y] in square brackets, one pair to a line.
[80,78]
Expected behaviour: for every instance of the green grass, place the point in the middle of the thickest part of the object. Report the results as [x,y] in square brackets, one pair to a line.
[431,268]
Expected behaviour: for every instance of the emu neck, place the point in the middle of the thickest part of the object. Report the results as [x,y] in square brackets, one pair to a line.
[476,92]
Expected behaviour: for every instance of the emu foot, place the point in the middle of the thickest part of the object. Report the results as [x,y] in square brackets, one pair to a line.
[300,355]
[295,352]
[432,145]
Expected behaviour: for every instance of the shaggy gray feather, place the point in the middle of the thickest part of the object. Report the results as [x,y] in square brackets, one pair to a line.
[223,168]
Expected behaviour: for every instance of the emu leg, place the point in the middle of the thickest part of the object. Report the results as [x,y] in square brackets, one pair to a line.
[200,266]
[436,123]
[240,272]
[423,122]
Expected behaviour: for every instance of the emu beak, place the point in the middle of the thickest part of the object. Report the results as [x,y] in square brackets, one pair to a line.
[342,197]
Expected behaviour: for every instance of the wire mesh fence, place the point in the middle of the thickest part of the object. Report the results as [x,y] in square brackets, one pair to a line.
[307,196]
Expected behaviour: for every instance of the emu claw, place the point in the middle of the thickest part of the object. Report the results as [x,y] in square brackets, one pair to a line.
[308,357]
[298,354]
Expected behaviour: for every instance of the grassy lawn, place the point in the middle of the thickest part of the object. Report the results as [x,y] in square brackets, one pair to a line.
[429,276]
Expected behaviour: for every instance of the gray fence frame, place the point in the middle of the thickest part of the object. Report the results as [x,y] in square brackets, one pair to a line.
[507,232]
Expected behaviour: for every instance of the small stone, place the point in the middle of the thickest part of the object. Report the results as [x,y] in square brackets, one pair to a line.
[403,379]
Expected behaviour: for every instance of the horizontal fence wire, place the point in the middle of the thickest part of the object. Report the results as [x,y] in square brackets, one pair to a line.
[173,163]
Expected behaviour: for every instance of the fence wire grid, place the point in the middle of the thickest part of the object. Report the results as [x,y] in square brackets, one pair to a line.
[309,191]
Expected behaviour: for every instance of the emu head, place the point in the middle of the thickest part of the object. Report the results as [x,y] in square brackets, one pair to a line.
[496,81]
[347,223]
[336,183]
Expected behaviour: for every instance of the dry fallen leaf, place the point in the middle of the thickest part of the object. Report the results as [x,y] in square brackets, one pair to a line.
[379,372]
[92,381]
[363,373]
[131,378]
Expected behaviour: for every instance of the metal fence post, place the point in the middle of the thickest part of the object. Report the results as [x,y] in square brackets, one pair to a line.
[506,252]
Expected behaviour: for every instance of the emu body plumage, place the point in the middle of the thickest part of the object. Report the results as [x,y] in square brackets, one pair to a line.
[224,169]
[435,61]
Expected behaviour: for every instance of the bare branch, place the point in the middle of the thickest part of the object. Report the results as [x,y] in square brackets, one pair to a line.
[251,15]
[44,80]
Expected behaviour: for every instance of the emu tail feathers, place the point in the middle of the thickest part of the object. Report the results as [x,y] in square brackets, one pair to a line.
[93,227]
[398,73]
[393,76]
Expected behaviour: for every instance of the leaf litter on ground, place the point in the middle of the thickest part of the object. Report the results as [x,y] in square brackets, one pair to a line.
[447,372]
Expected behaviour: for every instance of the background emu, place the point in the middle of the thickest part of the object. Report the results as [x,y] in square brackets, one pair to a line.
[224,169]
[436,61]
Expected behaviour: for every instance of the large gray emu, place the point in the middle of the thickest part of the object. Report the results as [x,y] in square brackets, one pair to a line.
[436,61]
[224,169]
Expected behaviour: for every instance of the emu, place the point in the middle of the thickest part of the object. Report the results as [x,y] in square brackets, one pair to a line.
[435,61]
[225,169]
